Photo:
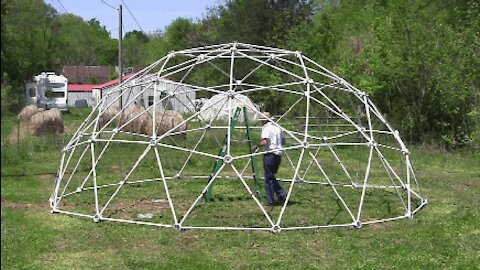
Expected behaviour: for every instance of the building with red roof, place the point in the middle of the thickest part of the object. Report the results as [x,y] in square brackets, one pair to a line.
[173,95]
[81,94]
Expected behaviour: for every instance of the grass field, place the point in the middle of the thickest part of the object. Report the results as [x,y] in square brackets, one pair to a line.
[444,235]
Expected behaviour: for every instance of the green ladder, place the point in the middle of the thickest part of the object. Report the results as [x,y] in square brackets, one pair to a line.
[219,162]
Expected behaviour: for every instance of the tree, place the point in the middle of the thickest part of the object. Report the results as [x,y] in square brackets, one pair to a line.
[418,60]
[256,21]
[426,73]
[27,45]
[84,43]
[134,49]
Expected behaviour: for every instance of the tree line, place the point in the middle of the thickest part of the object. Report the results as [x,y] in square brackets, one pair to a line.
[419,60]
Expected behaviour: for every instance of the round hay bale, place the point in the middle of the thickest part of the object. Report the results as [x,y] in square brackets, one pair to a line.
[107,115]
[159,118]
[176,120]
[137,125]
[27,113]
[45,122]
[166,121]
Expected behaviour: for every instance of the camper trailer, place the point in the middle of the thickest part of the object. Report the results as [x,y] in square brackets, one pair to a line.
[47,90]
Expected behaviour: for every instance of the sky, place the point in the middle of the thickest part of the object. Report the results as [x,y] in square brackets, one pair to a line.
[151,15]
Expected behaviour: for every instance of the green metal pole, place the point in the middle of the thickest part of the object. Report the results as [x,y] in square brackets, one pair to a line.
[256,178]
[221,153]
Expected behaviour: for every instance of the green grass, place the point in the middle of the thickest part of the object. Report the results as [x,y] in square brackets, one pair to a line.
[444,235]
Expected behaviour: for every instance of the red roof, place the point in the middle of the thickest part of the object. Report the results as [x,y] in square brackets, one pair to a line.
[89,87]
[112,83]
[80,87]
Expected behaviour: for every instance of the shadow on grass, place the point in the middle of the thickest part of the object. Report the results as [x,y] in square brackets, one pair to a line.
[243,199]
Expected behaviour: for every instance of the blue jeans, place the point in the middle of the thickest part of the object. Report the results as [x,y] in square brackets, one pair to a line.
[271,162]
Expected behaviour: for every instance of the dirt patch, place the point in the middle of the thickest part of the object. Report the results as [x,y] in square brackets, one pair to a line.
[467,186]
[128,208]
[187,238]
[23,205]
[115,168]
[381,225]
[47,176]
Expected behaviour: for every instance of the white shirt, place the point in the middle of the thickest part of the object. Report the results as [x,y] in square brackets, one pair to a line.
[275,137]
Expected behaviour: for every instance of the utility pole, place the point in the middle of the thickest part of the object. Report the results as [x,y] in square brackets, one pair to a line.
[120,64]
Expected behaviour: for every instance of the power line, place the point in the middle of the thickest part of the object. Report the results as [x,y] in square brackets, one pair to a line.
[132,16]
[60,3]
[53,3]
[109,5]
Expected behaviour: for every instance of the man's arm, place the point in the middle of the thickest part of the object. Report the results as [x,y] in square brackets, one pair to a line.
[262,142]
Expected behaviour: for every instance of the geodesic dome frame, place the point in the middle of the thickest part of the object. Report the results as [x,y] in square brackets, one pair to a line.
[339,146]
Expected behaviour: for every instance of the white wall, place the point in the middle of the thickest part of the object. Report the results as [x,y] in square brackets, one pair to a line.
[74,96]
[179,97]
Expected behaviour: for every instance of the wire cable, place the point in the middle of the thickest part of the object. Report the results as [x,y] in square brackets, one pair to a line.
[60,3]
[131,14]
[107,4]
[55,5]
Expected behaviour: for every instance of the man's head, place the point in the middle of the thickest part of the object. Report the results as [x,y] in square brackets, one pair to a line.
[266,117]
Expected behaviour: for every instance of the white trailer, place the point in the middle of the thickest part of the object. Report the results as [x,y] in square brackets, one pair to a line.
[47,90]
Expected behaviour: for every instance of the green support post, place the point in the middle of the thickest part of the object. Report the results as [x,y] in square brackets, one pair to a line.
[221,153]
[219,162]
[256,178]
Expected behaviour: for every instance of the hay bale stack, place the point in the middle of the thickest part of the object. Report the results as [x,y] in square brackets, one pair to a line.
[36,121]
[49,121]
[166,121]
[27,113]
[107,115]
[175,119]
[137,125]
[143,124]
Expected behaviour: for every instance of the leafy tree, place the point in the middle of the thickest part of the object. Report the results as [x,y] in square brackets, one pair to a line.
[134,49]
[417,59]
[424,68]
[256,21]
[180,34]
[84,43]
[26,37]
[27,45]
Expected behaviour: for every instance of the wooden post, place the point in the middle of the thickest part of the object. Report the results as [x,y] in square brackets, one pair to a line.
[120,64]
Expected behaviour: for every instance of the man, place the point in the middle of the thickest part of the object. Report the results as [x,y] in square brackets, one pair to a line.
[272,139]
